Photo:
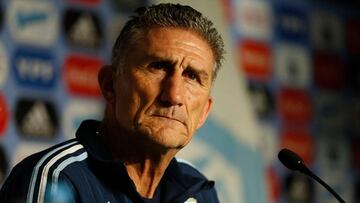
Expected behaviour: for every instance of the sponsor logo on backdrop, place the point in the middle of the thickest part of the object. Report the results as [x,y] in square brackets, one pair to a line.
[36,118]
[293,66]
[330,112]
[80,75]
[291,23]
[328,71]
[4,114]
[333,155]
[294,106]
[254,19]
[299,188]
[255,59]
[327,31]
[4,164]
[352,34]
[262,99]
[128,5]
[82,28]
[78,110]
[4,66]
[86,2]
[300,141]
[33,22]
[34,68]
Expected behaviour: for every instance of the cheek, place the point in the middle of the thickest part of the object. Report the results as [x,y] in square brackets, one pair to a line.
[122,108]
[143,84]
[134,96]
[197,110]
[125,101]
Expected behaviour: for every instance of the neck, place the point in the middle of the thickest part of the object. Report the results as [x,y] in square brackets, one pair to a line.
[145,164]
[147,175]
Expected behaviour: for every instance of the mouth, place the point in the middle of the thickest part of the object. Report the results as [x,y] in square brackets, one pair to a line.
[171,118]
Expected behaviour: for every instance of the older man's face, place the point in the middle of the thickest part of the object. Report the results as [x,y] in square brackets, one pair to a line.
[164,91]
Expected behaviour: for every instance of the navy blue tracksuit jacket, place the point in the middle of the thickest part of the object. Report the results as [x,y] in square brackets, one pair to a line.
[81,170]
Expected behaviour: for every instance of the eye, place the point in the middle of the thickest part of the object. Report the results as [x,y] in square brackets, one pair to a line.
[160,65]
[191,75]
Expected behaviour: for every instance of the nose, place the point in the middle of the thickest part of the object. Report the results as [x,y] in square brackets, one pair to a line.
[173,91]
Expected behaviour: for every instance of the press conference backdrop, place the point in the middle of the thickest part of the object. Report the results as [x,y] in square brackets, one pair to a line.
[291,79]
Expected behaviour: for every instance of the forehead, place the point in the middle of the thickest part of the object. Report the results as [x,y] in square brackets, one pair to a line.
[170,35]
[170,42]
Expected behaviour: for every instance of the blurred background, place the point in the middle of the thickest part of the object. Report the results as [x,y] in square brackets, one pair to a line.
[291,79]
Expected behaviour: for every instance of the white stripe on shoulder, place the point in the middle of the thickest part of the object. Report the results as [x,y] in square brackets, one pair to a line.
[185,162]
[34,175]
[63,165]
[44,175]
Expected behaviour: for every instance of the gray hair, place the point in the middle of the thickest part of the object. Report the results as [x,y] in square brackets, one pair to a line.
[168,15]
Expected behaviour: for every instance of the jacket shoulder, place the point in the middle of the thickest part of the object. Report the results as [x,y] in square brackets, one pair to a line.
[189,169]
[30,178]
[201,188]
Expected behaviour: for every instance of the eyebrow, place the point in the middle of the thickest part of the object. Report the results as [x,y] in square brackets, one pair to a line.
[202,73]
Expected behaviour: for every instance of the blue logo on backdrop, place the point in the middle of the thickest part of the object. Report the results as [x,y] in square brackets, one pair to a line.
[34,68]
[33,22]
[25,19]
[291,23]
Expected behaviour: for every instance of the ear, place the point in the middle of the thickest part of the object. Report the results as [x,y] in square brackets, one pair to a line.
[205,112]
[106,83]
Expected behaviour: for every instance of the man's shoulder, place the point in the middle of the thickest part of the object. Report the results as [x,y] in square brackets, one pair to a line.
[66,148]
[188,168]
[195,185]
[36,165]
[29,176]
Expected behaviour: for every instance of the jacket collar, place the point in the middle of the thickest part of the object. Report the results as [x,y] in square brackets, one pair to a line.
[88,136]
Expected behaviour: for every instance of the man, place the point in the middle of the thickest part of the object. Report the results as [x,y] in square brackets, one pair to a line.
[157,94]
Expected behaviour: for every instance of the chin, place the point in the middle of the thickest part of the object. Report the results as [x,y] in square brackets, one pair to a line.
[168,139]
[171,141]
